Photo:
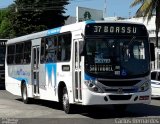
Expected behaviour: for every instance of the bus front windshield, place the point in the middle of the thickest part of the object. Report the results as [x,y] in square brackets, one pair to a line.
[117,57]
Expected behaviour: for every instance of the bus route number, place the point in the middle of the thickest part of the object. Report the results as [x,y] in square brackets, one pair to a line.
[97,28]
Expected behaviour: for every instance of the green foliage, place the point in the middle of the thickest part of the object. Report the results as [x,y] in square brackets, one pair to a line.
[37,15]
[5,24]
[29,16]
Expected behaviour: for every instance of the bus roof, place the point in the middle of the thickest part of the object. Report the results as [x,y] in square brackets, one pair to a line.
[4,39]
[66,28]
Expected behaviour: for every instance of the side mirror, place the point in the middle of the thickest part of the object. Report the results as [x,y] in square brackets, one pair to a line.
[152,51]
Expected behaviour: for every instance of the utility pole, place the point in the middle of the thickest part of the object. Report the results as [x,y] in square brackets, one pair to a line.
[105,9]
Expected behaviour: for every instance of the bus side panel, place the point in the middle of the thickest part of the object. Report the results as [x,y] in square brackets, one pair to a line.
[12,85]
[47,78]
[64,74]
[51,75]
[15,75]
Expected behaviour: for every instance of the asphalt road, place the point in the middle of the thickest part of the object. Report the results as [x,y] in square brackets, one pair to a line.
[40,111]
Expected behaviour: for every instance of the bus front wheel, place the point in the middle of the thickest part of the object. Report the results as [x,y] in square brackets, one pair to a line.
[65,101]
[24,94]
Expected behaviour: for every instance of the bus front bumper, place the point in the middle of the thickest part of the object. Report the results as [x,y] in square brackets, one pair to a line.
[92,98]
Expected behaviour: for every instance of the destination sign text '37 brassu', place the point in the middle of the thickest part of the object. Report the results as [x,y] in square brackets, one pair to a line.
[115,29]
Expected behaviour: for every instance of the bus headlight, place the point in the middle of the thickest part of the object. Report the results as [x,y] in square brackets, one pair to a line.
[92,86]
[144,86]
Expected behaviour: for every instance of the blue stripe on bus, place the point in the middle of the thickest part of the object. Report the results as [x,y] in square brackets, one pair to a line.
[87,77]
[90,21]
[51,68]
[53,31]
[20,79]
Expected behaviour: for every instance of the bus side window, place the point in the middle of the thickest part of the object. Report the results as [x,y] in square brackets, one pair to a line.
[59,47]
[56,48]
[67,47]
[27,52]
[48,49]
[64,47]
[19,53]
[43,49]
[10,54]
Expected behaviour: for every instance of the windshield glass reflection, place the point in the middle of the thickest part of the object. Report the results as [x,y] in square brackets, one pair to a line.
[117,57]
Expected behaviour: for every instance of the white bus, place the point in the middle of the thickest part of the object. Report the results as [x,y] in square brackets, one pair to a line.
[87,63]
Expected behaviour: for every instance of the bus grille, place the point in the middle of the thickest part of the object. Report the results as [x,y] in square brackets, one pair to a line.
[120,83]
[120,97]
[130,90]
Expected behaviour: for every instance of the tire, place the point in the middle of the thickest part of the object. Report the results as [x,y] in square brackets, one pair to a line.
[25,98]
[65,102]
[120,108]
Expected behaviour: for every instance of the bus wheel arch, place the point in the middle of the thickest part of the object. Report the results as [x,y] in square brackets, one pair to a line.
[64,98]
[24,92]
[60,90]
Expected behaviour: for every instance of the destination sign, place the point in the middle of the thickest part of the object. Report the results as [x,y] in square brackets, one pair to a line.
[101,68]
[115,29]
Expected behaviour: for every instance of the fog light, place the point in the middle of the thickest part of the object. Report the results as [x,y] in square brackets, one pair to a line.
[90,85]
[95,89]
[135,99]
[105,98]
[144,98]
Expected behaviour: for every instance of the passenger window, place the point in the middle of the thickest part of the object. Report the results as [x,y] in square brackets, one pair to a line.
[43,48]
[48,51]
[11,49]
[10,59]
[27,52]
[64,47]
[19,53]
[56,48]
[153,75]
[19,48]
[10,54]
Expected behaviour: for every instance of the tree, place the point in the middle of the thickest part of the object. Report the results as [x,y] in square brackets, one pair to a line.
[5,24]
[31,16]
[147,9]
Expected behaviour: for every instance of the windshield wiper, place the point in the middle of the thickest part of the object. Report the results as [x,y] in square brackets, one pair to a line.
[130,42]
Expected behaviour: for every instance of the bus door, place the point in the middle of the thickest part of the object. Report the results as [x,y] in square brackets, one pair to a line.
[77,72]
[35,67]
